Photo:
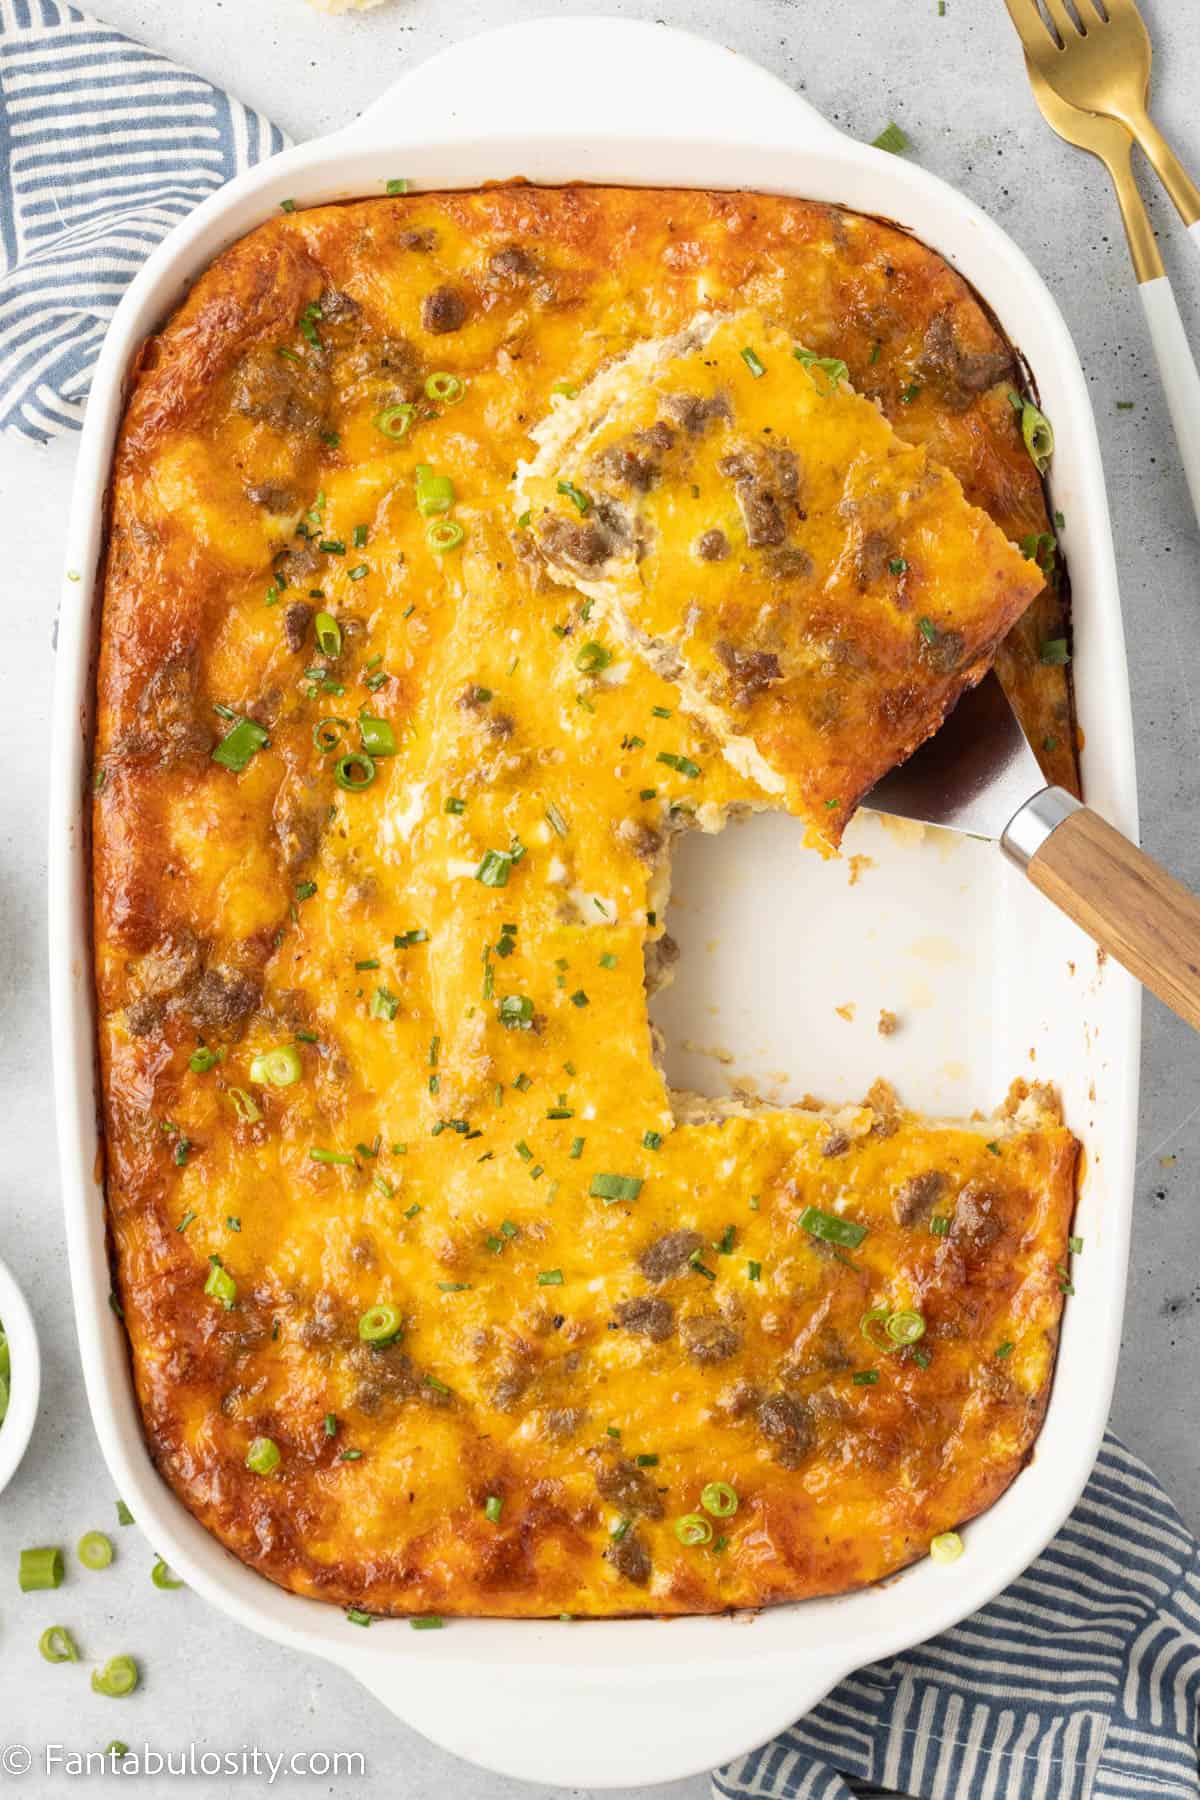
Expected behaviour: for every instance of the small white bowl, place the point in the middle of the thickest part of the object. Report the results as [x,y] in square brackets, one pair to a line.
[25,1377]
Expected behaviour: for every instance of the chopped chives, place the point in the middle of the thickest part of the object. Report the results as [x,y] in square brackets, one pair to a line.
[615,1187]
[831,1228]
[550,1278]
[891,139]
[753,362]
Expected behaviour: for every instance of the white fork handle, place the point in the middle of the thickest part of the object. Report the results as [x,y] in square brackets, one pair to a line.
[1181,380]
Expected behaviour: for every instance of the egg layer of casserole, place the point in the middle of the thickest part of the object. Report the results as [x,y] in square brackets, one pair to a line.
[436,1303]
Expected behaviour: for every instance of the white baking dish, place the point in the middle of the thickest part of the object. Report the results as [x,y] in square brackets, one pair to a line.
[991,976]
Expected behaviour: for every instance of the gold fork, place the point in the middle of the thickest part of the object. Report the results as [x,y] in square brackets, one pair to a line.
[1106,134]
[1098,59]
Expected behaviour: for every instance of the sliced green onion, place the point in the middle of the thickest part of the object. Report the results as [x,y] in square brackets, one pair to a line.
[435,493]
[444,387]
[204,1059]
[515,1011]
[550,1278]
[357,1617]
[396,421]
[719,1499]
[443,535]
[328,634]
[753,1271]
[891,139]
[124,1516]
[905,1327]
[42,1568]
[239,745]
[354,771]
[263,1456]
[1054,650]
[341,1157]
[753,362]
[57,1645]
[399,184]
[591,657]
[493,1506]
[693,1529]
[116,1748]
[831,1228]
[380,1324]
[277,1068]
[162,1576]
[118,1677]
[427,1622]
[384,1004]
[832,368]
[220,1284]
[683,764]
[327,733]
[1038,434]
[493,870]
[244,1106]
[94,1550]
[866,1377]
[577,497]
[615,1187]
[378,738]
[946,1547]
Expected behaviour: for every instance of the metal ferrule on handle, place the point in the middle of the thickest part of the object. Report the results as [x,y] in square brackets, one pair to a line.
[1029,828]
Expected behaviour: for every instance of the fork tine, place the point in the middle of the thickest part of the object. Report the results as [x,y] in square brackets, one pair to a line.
[1062,21]
[1031,28]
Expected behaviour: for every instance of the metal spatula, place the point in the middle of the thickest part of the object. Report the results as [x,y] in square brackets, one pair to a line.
[979,775]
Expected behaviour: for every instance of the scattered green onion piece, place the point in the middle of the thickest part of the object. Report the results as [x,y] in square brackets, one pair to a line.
[118,1677]
[493,870]
[396,421]
[327,733]
[57,1645]
[380,1325]
[550,1278]
[591,657]
[615,1187]
[204,1059]
[1055,651]
[94,1550]
[693,1529]
[866,1377]
[239,745]
[378,738]
[493,1507]
[428,1622]
[244,1106]
[263,1456]
[946,1547]
[357,1617]
[753,362]
[891,139]
[831,1228]
[354,771]
[1038,434]
[124,1516]
[719,1499]
[341,1157]
[444,387]
[443,535]
[277,1068]
[905,1327]
[683,764]
[162,1576]
[435,493]
[753,1271]
[399,184]
[328,634]
[220,1284]
[41,1568]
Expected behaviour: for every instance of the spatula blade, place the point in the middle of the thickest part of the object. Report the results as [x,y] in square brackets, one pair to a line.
[973,775]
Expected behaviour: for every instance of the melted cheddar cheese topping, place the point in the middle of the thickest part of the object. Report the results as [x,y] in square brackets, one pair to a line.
[438,1300]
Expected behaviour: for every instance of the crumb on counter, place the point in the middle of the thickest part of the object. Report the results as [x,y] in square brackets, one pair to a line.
[858,868]
[888,1024]
[846,1012]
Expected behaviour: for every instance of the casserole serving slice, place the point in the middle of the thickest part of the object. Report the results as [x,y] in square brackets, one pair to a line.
[765,139]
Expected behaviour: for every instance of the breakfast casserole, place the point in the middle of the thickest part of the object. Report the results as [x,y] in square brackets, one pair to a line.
[439,1300]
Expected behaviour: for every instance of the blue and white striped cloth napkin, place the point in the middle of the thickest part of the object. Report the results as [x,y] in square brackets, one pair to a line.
[1082,1682]
[104,145]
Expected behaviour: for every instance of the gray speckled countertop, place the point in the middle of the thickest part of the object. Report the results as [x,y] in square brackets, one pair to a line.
[956,85]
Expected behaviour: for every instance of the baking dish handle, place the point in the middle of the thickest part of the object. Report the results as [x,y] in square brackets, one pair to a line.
[573,78]
[573,1727]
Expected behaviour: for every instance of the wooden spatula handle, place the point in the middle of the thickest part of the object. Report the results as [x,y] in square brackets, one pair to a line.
[1133,909]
